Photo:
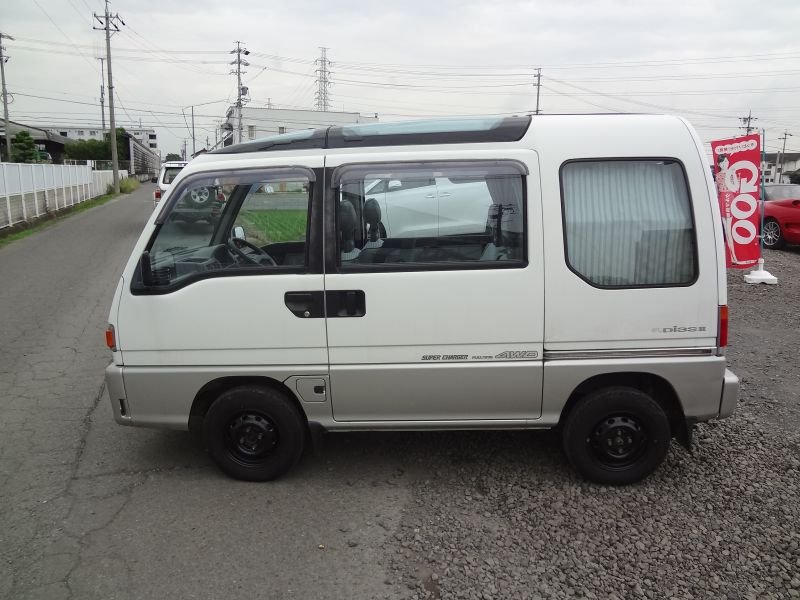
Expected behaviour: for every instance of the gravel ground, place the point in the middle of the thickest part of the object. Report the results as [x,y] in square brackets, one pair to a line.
[503,516]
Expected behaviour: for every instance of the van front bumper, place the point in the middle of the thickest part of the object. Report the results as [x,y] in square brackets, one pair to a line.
[730,394]
[116,393]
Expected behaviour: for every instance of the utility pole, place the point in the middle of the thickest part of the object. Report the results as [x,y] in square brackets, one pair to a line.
[102,94]
[781,157]
[746,122]
[239,62]
[183,150]
[323,82]
[538,87]
[194,148]
[3,61]
[109,24]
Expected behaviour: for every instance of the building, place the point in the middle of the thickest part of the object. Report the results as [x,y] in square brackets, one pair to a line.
[265,122]
[46,141]
[146,137]
[143,161]
[790,162]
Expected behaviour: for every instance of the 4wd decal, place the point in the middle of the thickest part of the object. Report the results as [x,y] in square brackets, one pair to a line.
[517,354]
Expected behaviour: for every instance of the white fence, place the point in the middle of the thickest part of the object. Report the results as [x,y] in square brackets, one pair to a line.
[28,191]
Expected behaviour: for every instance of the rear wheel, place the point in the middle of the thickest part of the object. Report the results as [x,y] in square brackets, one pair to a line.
[616,435]
[254,433]
[772,234]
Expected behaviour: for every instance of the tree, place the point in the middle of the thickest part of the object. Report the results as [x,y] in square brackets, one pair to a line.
[794,176]
[123,149]
[172,156]
[23,148]
[88,150]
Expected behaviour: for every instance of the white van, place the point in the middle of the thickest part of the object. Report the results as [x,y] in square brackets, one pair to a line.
[495,273]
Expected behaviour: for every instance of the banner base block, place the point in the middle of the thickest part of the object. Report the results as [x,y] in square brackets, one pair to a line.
[759,275]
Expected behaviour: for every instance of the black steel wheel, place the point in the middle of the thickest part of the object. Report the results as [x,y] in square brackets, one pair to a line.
[250,437]
[254,433]
[772,234]
[616,435]
[618,441]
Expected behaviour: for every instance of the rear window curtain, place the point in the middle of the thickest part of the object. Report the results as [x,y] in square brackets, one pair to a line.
[628,223]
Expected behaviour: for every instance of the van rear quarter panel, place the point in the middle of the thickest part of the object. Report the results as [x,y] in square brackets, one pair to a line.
[579,316]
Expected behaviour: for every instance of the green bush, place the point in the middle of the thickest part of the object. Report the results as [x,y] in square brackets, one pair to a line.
[128,184]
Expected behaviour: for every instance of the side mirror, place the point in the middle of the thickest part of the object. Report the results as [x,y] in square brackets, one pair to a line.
[238,232]
[154,180]
[395,184]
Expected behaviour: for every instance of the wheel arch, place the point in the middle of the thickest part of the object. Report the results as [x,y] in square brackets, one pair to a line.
[654,385]
[211,391]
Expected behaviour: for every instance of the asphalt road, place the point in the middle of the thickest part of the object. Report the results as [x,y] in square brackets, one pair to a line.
[89,509]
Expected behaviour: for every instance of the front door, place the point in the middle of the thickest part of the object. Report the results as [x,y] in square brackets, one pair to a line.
[432,324]
[233,275]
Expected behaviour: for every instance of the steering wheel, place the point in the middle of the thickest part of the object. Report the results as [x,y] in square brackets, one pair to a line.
[236,243]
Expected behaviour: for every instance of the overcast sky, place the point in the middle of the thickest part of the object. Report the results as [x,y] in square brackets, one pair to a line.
[711,61]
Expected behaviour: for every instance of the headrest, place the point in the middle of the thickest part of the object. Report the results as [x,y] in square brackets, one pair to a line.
[347,220]
[372,211]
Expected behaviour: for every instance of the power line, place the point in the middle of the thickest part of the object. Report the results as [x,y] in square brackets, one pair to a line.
[746,122]
[323,81]
[239,62]
[135,50]
[109,23]
[61,31]
[136,58]
[4,92]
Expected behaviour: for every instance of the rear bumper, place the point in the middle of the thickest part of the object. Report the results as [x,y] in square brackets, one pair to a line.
[730,394]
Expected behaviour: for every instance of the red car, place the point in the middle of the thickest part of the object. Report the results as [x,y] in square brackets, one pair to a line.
[781,215]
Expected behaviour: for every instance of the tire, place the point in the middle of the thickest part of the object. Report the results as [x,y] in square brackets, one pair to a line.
[772,235]
[254,433]
[199,197]
[616,436]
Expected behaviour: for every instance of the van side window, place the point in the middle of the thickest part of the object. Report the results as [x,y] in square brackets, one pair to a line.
[459,214]
[628,223]
[275,214]
[234,224]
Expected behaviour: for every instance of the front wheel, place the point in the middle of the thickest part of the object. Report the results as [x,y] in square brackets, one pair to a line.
[616,435]
[254,433]
[772,234]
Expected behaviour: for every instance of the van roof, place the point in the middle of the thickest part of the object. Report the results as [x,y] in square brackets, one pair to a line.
[463,130]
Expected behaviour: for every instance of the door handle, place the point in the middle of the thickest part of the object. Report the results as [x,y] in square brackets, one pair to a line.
[346,303]
[444,194]
[429,196]
[306,305]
